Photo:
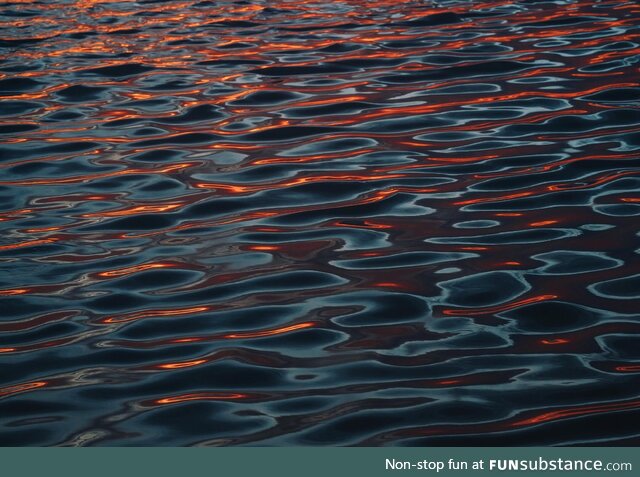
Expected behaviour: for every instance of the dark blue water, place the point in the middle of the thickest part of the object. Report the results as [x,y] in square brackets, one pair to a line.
[319,223]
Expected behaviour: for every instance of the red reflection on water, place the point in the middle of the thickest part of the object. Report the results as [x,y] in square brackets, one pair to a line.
[271,332]
[630,368]
[29,243]
[159,313]
[21,388]
[554,341]
[576,411]
[121,272]
[499,308]
[182,364]
[205,396]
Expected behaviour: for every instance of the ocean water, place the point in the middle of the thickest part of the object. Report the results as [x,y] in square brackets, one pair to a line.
[329,223]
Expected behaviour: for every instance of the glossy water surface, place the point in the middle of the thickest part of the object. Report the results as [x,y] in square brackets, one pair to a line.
[354,222]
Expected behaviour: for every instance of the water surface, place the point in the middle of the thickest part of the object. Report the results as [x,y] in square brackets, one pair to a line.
[319,223]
